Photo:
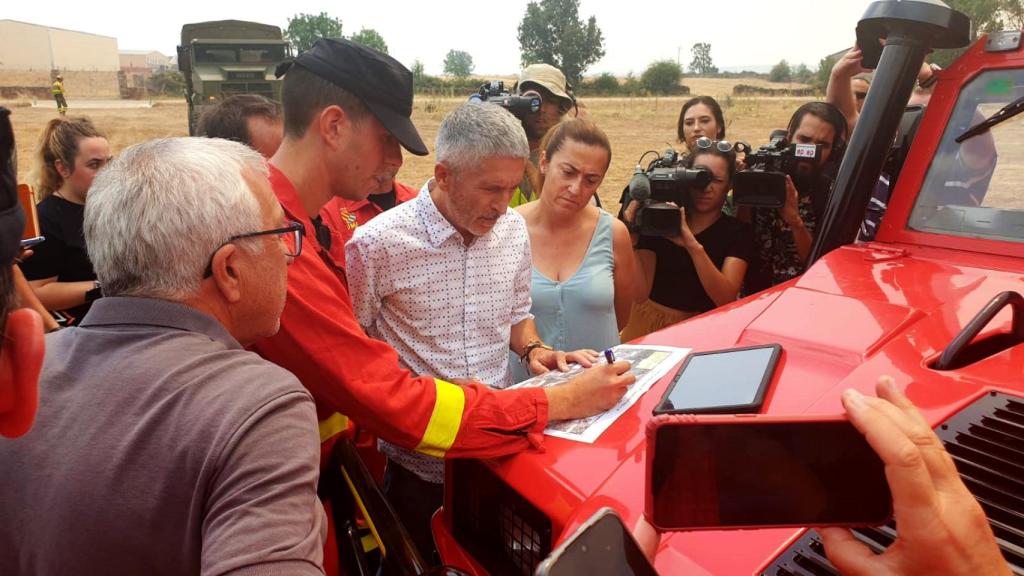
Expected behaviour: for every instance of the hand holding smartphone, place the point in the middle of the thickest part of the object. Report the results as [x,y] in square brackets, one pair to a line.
[30,242]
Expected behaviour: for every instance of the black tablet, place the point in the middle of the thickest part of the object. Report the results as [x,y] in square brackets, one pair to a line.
[722,382]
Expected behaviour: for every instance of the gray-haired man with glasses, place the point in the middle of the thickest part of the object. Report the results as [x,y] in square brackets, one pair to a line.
[162,444]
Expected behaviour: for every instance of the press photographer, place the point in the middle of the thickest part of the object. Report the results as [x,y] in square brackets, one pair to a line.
[701,263]
[763,183]
[784,225]
[658,193]
[540,99]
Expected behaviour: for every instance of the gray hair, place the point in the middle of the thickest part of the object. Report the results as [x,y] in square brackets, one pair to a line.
[156,214]
[475,131]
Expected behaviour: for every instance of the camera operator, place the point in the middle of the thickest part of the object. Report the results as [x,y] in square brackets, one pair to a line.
[783,236]
[547,82]
[701,267]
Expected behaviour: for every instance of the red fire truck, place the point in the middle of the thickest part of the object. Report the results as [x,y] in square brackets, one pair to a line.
[934,301]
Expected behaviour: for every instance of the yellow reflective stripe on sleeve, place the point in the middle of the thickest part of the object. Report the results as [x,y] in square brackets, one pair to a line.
[332,426]
[445,421]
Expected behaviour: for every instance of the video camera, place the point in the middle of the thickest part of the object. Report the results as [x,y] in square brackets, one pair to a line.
[664,182]
[520,106]
[763,183]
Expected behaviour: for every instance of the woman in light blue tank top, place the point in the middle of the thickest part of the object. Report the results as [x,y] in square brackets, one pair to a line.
[584,278]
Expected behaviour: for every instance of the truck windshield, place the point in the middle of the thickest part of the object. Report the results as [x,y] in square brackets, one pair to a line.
[227,54]
[974,189]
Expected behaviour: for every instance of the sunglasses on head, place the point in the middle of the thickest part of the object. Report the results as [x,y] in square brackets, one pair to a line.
[705,143]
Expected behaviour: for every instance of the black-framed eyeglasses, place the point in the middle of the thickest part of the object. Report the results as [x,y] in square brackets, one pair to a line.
[293,229]
[705,143]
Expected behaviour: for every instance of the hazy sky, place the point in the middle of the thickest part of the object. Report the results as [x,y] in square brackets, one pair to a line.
[742,33]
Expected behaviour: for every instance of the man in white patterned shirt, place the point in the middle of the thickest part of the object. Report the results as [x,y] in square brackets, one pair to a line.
[445,280]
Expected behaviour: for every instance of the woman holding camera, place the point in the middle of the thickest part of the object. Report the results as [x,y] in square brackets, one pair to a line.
[584,277]
[703,266]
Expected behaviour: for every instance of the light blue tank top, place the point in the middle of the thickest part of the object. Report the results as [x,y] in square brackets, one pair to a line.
[579,312]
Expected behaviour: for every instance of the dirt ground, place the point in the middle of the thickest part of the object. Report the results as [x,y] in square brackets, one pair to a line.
[634,126]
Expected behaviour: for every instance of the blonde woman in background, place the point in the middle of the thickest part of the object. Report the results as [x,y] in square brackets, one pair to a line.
[70,153]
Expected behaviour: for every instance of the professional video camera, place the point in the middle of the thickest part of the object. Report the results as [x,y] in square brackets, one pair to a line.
[663,182]
[520,106]
[763,183]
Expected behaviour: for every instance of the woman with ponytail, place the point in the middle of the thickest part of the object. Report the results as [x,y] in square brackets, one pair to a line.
[70,153]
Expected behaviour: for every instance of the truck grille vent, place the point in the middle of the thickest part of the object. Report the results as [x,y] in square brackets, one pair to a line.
[986,440]
[262,88]
[248,75]
[504,532]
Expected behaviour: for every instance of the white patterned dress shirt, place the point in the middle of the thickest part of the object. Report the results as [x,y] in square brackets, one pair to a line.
[445,307]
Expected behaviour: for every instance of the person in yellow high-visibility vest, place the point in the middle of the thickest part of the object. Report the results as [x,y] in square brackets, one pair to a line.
[58,94]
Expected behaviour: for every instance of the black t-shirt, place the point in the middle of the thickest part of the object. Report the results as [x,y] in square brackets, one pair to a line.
[676,283]
[63,253]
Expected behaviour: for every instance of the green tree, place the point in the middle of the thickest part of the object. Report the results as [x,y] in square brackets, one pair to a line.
[305,29]
[701,63]
[803,74]
[986,16]
[631,84]
[551,32]
[418,72]
[458,63]
[605,84]
[662,77]
[169,82]
[781,72]
[370,37]
[821,77]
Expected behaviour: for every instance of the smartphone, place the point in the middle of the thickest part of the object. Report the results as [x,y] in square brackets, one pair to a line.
[30,242]
[753,471]
[602,545]
[730,381]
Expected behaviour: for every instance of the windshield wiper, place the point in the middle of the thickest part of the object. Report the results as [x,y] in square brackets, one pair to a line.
[1004,114]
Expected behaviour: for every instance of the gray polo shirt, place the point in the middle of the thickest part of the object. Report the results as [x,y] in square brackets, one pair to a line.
[161,447]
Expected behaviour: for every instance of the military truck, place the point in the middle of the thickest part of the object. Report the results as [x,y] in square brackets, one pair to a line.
[225,57]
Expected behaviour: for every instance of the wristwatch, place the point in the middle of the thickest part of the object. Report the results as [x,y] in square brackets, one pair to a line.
[530,347]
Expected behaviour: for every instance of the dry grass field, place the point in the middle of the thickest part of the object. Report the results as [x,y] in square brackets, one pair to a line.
[634,125]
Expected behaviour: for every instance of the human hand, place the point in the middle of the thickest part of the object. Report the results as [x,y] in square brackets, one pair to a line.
[790,211]
[849,65]
[942,528]
[926,72]
[23,255]
[629,214]
[595,390]
[542,360]
[685,239]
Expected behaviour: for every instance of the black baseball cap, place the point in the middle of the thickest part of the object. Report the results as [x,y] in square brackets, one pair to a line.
[12,217]
[380,81]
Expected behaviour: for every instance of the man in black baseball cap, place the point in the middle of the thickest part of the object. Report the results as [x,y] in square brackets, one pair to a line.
[346,113]
[21,345]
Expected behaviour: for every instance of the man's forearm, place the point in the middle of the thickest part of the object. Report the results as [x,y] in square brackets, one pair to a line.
[839,93]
